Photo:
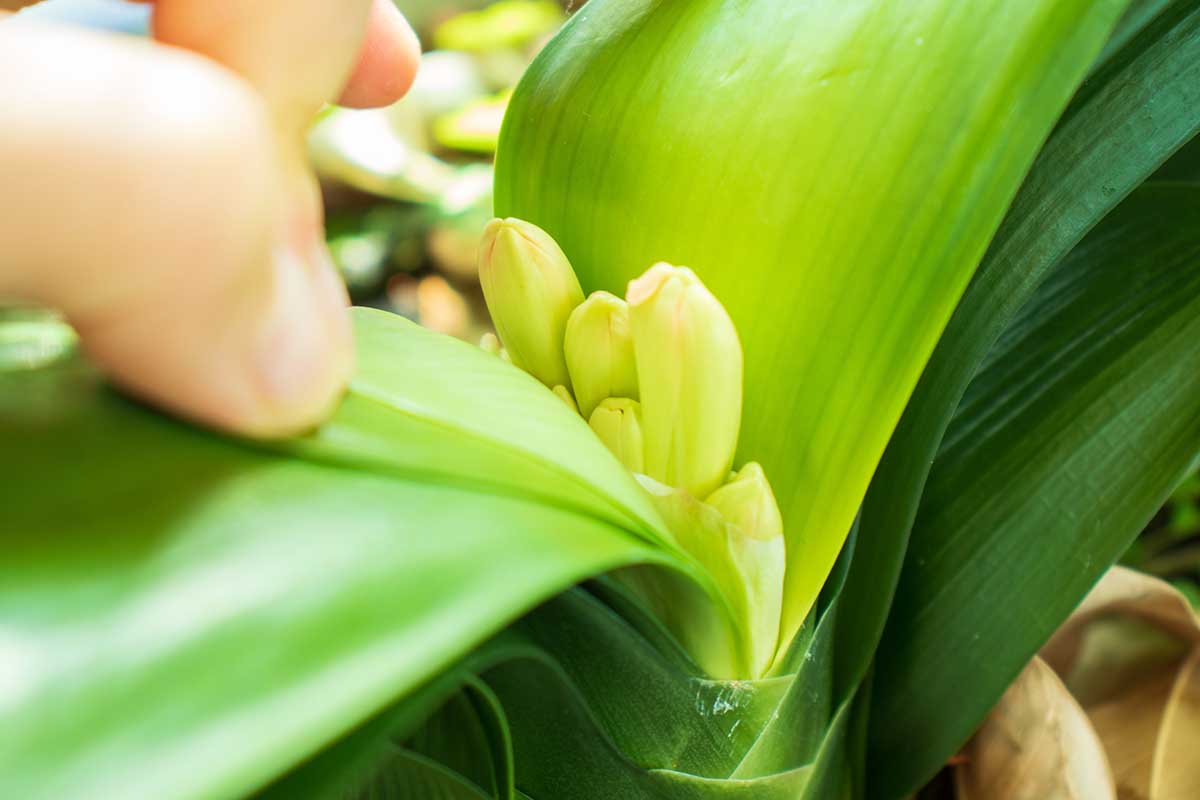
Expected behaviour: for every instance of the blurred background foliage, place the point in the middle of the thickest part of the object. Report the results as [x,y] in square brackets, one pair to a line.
[1170,545]
[408,187]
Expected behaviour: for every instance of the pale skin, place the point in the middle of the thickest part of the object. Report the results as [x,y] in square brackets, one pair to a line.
[157,193]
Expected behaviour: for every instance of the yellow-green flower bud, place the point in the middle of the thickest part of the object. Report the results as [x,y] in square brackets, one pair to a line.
[748,503]
[599,350]
[689,367]
[759,553]
[530,290]
[736,536]
[564,394]
[616,421]
[488,343]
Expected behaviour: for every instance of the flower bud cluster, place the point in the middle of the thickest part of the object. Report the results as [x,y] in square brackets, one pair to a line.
[657,375]
[667,356]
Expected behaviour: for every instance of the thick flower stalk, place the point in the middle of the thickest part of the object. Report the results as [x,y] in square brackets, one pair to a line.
[658,378]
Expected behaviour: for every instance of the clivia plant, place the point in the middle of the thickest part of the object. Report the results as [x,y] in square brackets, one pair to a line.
[782,523]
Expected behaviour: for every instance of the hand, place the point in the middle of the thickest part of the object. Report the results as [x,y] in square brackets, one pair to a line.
[157,193]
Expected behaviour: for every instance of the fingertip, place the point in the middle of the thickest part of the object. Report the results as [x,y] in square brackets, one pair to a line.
[387,63]
[265,362]
[303,358]
[177,287]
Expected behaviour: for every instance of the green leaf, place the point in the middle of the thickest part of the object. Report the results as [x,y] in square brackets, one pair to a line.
[1078,426]
[428,405]
[629,722]
[469,734]
[354,761]
[185,615]
[605,703]
[616,713]
[601,704]
[832,170]
[1183,166]
[1138,15]
[406,775]
[1131,115]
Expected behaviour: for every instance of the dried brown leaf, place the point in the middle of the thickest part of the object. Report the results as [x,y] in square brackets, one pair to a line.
[1123,593]
[1128,729]
[1176,771]
[1037,744]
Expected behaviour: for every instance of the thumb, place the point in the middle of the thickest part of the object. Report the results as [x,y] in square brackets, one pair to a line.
[146,195]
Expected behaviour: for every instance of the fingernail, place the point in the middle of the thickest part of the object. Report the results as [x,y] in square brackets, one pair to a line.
[305,355]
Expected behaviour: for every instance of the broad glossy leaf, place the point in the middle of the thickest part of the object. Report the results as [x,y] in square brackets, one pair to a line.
[693,736]
[598,709]
[405,775]
[354,761]
[426,404]
[184,614]
[604,704]
[1137,16]
[469,735]
[462,416]
[1132,113]
[833,170]
[1184,165]
[617,715]
[669,736]
[1084,418]
[628,723]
